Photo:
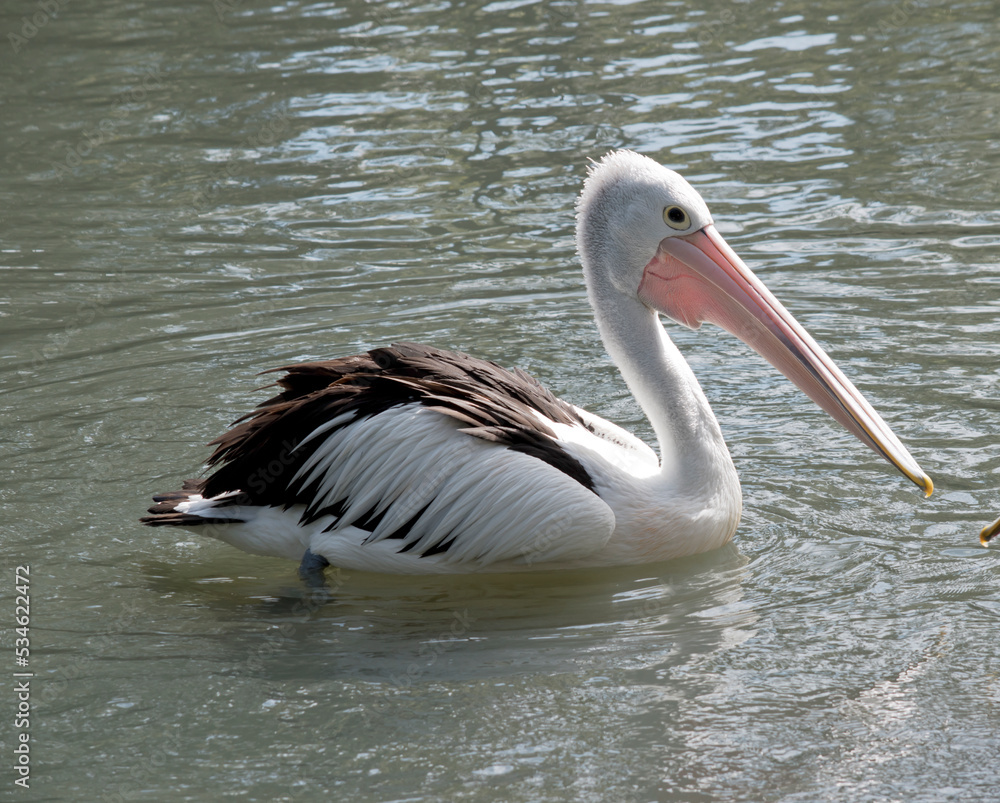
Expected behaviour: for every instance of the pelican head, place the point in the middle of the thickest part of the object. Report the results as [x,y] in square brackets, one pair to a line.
[646,237]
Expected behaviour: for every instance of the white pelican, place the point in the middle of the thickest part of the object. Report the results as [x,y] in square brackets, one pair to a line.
[411,459]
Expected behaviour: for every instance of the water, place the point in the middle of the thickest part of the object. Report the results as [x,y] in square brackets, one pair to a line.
[193,193]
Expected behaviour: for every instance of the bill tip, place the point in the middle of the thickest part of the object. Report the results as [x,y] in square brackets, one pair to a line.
[989,532]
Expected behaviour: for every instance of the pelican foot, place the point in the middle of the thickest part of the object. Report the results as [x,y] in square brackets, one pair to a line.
[311,570]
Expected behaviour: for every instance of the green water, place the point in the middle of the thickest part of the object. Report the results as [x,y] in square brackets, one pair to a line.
[194,192]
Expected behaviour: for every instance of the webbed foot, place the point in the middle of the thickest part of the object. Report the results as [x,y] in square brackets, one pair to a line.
[311,570]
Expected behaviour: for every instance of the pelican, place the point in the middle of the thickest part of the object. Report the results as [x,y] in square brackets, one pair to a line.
[413,459]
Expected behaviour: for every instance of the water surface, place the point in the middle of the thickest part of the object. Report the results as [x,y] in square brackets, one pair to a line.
[195,192]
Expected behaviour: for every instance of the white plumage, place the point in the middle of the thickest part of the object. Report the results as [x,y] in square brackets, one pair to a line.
[416,460]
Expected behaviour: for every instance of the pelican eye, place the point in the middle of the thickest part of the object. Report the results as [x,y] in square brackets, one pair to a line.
[676,218]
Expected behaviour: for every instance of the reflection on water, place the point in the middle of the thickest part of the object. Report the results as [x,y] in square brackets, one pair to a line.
[480,626]
[195,193]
